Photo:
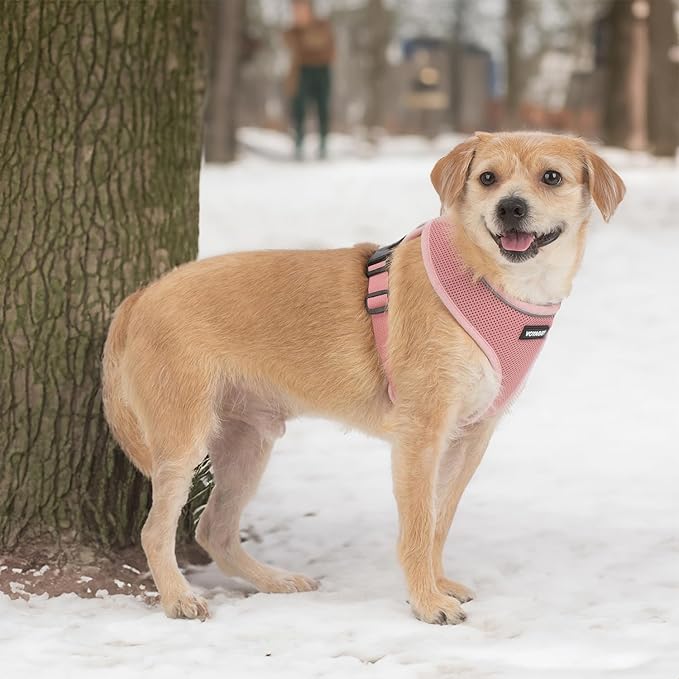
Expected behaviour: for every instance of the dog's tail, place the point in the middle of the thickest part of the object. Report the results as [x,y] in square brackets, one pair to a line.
[120,417]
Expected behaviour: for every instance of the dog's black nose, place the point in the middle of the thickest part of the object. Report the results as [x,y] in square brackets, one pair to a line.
[511,210]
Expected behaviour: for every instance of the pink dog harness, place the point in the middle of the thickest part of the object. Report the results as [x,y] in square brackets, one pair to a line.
[509,332]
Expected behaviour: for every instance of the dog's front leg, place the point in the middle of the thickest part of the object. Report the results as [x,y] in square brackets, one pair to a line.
[457,466]
[415,460]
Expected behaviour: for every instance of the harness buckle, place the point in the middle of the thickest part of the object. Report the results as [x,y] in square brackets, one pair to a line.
[373,272]
[380,256]
[380,309]
[383,253]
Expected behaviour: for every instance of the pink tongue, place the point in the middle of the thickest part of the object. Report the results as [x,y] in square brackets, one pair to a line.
[517,241]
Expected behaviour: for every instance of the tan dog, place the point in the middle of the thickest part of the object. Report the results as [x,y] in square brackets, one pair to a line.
[214,357]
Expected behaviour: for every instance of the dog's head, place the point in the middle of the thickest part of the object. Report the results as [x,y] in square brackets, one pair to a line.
[525,196]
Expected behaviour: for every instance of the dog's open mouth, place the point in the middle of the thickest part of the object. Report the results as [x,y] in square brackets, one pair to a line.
[518,246]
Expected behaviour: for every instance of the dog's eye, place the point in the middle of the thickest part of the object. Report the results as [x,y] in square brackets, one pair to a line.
[487,178]
[551,178]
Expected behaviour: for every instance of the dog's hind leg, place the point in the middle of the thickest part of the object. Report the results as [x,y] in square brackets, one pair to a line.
[171,482]
[178,421]
[239,456]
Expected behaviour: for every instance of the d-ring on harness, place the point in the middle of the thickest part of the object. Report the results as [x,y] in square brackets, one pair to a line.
[510,333]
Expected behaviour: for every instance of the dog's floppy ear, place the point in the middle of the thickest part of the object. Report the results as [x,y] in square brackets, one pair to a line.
[605,185]
[450,173]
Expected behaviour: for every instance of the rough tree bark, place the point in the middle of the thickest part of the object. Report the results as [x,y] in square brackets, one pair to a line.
[224,32]
[100,136]
[663,81]
[625,117]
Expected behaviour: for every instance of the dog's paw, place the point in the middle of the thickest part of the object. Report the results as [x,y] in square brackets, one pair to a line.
[455,589]
[439,609]
[286,583]
[186,605]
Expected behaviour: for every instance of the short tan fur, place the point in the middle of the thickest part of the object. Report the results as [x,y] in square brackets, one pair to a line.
[215,356]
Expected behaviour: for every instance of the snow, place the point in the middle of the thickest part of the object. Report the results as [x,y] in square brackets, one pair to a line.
[568,533]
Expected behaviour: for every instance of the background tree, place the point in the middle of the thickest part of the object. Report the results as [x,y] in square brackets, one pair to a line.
[377,30]
[100,137]
[460,11]
[517,14]
[225,37]
[663,82]
[625,115]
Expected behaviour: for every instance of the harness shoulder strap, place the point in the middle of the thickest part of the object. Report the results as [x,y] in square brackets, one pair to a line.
[377,302]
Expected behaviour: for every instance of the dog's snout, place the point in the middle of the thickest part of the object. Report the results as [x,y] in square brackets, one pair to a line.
[511,210]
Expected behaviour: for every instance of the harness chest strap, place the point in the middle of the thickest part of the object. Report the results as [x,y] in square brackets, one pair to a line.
[510,332]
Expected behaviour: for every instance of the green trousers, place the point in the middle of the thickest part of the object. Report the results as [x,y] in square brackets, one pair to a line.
[314,87]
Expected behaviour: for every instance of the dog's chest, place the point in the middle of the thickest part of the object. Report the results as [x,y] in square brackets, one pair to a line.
[480,389]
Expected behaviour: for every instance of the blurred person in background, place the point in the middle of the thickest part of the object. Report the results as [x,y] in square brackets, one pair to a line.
[312,50]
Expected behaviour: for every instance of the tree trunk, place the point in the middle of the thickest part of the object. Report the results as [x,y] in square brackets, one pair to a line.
[625,119]
[516,17]
[100,136]
[224,30]
[378,26]
[663,84]
[460,26]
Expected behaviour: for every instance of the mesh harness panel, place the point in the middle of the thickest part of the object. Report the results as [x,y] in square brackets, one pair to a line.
[510,333]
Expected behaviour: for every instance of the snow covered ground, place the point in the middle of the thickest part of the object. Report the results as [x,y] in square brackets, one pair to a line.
[569,533]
